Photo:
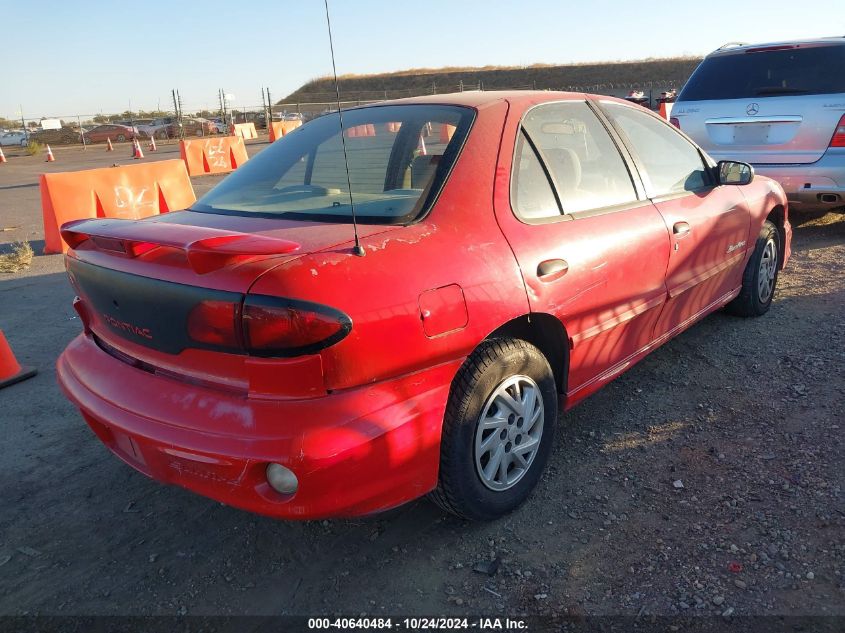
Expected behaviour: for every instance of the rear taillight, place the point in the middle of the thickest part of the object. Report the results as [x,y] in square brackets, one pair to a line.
[838,139]
[274,326]
[267,326]
[674,121]
[215,323]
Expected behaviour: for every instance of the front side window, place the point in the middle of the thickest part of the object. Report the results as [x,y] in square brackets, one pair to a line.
[397,156]
[672,164]
[583,161]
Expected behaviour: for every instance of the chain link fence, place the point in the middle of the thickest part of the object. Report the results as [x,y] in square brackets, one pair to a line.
[191,121]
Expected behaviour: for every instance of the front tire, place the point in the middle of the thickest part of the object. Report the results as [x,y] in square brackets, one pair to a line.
[761,275]
[498,430]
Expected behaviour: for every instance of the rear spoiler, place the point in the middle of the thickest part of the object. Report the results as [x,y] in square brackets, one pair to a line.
[207,249]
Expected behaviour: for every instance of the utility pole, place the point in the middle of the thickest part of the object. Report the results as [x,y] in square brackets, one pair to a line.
[264,107]
[222,108]
[23,124]
[181,128]
[269,109]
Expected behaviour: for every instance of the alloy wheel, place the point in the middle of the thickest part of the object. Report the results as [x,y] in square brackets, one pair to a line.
[509,431]
[768,271]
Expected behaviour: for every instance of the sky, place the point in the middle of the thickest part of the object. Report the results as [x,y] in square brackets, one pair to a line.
[62,59]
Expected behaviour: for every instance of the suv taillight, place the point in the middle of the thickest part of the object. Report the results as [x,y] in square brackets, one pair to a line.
[838,139]
[267,326]
[674,121]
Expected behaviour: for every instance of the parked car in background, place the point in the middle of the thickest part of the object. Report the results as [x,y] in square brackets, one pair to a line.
[156,128]
[169,127]
[198,127]
[302,379]
[114,131]
[17,137]
[62,136]
[779,107]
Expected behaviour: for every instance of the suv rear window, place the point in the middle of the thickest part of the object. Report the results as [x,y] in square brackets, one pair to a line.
[768,73]
[398,157]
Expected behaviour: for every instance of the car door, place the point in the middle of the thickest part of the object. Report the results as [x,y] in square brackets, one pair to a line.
[708,223]
[592,249]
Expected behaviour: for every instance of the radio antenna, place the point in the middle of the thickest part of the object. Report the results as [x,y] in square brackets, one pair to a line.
[358,249]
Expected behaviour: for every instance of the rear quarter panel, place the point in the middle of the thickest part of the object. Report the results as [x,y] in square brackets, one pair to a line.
[458,243]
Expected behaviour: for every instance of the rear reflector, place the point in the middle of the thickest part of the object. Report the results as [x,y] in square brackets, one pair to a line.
[674,121]
[838,139]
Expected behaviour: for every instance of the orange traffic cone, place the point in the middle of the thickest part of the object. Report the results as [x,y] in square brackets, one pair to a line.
[137,153]
[50,157]
[153,147]
[108,143]
[666,110]
[2,156]
[10,370]
[446,132]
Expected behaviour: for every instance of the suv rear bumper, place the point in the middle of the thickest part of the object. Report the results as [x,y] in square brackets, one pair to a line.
[354,452]
[814,186]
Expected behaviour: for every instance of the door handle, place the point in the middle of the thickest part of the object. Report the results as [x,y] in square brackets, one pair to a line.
[681,228]
[552,269]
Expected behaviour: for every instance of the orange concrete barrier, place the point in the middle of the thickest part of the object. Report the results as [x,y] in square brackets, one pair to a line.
[130,192]
[392,126]
[279,128]
[11,370]
[213,156]
[366,129]
[245,130]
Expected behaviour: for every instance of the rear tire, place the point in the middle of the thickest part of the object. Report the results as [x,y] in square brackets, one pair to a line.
[498,430]
[761,275]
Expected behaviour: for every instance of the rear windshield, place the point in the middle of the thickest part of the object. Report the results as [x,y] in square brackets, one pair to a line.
[796,71]
[399,157]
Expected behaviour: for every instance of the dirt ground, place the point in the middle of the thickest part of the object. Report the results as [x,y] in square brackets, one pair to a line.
[747,414]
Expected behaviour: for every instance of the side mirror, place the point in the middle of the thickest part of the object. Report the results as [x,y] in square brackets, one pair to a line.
[735,173]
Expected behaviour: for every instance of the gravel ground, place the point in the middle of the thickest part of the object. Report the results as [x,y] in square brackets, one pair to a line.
[708,480]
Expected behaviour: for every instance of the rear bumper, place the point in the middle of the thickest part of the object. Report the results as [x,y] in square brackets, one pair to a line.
[354,453]
[815,186]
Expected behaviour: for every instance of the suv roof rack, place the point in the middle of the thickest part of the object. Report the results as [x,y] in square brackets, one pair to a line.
[731,44]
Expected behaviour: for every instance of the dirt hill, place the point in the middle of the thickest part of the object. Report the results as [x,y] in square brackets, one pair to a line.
[600,77]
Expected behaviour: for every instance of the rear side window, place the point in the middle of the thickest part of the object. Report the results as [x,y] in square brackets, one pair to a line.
[672,164]
[768,73]
[533,198]
[583,163]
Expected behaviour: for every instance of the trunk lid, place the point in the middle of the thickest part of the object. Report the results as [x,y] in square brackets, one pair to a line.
[140,280]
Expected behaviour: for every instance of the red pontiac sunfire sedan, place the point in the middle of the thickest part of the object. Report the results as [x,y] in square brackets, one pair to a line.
[520,250]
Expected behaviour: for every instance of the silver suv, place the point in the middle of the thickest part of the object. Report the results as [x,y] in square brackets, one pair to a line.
[780,107]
